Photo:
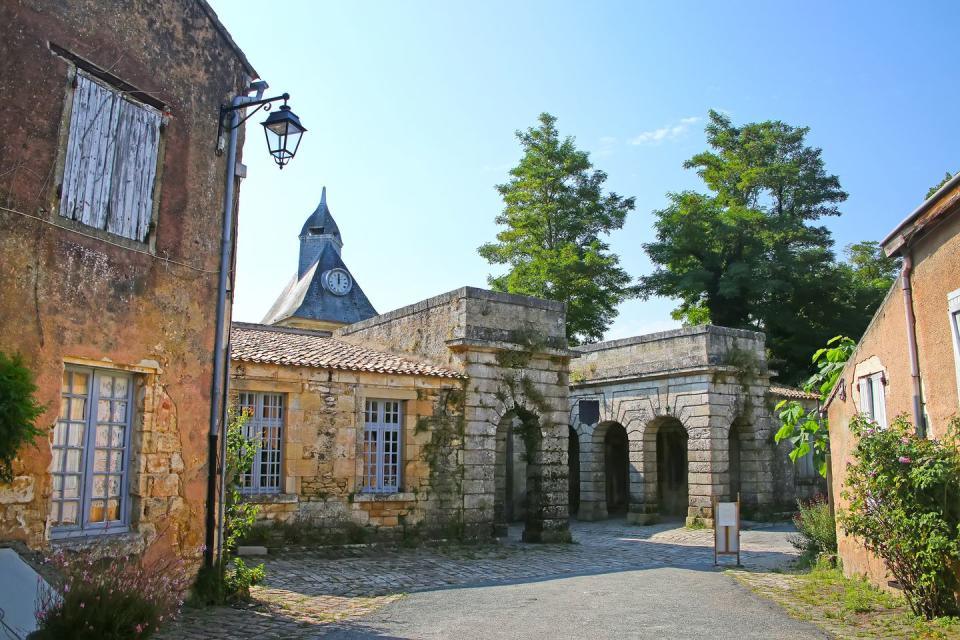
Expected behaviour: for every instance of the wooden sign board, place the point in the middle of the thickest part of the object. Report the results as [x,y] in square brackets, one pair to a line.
[726,529]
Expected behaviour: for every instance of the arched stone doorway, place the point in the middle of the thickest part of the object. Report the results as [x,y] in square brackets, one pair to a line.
[573,462]
[516,475]
[672,489]
[616,469]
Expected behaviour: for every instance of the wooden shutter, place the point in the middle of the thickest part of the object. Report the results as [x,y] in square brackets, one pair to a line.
[111,161]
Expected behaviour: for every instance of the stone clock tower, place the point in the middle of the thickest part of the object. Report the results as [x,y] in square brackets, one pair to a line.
[323,294]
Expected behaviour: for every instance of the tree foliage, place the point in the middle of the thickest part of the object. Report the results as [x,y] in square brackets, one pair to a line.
[554,220]
[748,254]
[804,428]
[19,411]
[947,178]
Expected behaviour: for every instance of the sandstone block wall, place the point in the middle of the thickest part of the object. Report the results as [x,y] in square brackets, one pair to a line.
[321,471]
[67,296]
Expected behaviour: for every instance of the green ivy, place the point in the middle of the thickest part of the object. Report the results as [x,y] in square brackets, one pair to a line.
[904,505]
[19,411]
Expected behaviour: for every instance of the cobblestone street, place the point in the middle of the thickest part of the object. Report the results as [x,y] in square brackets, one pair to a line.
[314,593]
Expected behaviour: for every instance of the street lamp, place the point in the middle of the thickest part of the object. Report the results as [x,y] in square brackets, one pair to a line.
[283,131]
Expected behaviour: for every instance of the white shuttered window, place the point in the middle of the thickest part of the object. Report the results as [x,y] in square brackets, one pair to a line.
[872,402]
[111,161]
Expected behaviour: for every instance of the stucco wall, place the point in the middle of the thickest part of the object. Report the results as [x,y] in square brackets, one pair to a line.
[884,348]
[65,295]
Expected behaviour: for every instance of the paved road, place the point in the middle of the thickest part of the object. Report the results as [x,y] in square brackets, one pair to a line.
[619,580]
[661,603]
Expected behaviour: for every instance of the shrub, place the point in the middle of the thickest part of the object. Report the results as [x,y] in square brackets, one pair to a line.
[109,599]
[904,494]
[19,411]
[222,583]
[816,530]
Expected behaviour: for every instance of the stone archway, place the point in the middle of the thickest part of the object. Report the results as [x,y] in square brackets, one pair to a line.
[517,481]
[616,469]
[573,465]
[666,468]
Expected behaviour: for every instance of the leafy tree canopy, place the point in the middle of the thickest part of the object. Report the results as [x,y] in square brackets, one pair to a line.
[947,178]
[554,220]
[748,253]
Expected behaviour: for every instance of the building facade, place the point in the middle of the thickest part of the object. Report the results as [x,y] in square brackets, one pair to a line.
[110,228]
[662,424]
[908,361]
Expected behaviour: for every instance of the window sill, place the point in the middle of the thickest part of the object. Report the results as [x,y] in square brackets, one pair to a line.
[385,497]
[270,498]
[109,543]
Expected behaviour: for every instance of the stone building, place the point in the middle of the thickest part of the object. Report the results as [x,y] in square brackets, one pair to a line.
[110,229]
[908,361]
[346,435]
[661,424]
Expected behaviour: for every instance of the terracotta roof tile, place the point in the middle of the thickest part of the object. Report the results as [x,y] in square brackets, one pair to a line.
[796,394]
[305,348]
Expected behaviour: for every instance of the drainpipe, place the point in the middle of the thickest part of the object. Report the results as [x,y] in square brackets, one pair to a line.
[912,342]
[218,384]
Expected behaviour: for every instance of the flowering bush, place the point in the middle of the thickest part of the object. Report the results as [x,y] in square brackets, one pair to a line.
[108,599]
[904,494]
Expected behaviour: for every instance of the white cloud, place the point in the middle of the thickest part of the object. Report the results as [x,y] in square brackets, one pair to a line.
[669,132]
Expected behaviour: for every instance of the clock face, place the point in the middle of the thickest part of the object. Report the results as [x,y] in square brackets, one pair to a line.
[339,282]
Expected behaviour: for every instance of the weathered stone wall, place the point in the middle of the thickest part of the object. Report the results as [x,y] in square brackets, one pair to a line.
[322,442]
[711,380]
[513,349]
[74,294]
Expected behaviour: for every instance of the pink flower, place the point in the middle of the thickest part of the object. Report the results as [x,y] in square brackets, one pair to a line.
[905,440]
[83,605]
[138,628]
[904,460]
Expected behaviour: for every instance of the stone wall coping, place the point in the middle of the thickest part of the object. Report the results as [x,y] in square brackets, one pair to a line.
[445,298]
[403,496]
[463,344]
[620,375]
[682,332]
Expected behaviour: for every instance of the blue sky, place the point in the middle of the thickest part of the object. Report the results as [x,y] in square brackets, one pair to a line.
[412,106]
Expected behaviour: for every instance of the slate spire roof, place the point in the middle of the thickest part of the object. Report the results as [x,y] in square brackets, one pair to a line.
[321,220]
[305,296]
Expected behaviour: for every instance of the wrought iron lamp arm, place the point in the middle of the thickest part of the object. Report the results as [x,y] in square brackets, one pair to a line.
[225,110]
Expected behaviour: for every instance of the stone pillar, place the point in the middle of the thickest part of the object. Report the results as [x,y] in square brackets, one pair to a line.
[547,480]
[593,499]
[643,505]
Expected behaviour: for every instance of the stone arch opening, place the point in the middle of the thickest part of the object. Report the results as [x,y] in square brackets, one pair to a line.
[573,463]
[616,468]
[734,456]
[516,471]
[672,468]
[743,463]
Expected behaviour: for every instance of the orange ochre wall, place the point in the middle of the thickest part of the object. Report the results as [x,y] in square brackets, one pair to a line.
[936,273]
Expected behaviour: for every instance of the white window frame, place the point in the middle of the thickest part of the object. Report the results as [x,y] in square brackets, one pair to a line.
[124,208]
[873,402]
[953,307]
[381,451]
[265,427]
[89,421]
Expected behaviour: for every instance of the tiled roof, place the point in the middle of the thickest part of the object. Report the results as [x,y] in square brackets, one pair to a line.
[305,348]
[796,394]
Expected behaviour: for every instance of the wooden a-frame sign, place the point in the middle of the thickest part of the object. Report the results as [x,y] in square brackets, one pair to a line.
[726,529]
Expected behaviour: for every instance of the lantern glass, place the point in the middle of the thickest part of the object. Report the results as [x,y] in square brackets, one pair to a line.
[283,131]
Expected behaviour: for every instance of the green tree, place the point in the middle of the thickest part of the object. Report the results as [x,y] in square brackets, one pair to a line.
[932,190]
[19,411]
[554,218]
[805,429]
[748,254]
